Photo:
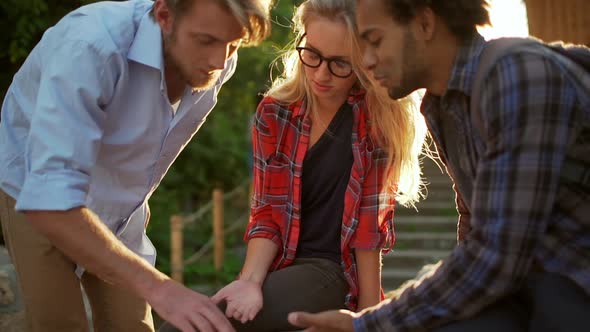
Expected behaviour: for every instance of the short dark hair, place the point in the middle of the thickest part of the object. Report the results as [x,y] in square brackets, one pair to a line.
[461,16]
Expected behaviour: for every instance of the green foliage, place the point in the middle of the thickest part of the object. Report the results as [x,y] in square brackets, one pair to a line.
[216,157]
[22,23]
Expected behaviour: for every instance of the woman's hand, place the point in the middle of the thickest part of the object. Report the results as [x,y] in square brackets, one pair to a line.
[243,298]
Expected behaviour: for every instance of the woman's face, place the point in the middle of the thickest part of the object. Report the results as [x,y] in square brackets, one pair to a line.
[328,39]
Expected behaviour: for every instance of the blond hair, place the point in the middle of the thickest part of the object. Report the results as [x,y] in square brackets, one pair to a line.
[253,15]
[396,126]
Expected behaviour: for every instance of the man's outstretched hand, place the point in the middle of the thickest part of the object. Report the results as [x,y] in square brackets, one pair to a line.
[327,321]
[189,311]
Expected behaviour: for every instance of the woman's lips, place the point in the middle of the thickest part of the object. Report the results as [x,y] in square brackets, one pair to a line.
[322,87]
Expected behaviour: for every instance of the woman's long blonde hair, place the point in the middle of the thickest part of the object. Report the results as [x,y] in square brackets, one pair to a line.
[396,126]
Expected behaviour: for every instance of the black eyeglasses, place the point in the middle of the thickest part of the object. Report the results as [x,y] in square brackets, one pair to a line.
[312,58]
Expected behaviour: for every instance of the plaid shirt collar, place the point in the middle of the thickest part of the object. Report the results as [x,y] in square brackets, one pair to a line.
[462,74]
[465,65]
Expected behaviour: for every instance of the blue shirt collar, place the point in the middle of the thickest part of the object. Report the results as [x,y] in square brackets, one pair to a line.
[147,44]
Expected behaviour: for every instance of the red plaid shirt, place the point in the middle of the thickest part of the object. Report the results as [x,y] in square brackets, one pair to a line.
[280,137]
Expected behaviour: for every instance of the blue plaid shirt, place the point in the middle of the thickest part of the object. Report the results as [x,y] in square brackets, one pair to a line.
[526,211]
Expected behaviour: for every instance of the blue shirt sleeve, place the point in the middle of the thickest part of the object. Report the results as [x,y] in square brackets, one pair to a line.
[76,81]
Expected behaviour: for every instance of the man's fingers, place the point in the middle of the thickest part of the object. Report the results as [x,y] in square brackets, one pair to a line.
[302,319]
[201,323]
[183,326]
[216,317]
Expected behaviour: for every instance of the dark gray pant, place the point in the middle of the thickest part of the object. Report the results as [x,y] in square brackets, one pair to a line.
[547,303]
[310,284]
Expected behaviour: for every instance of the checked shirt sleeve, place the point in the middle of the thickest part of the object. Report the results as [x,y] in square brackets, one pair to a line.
[261,223]
[376,208]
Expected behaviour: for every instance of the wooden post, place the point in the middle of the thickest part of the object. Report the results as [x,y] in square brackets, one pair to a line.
[218,237]
[176,260]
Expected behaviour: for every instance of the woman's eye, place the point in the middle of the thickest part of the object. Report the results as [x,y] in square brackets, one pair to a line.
[312,56]
[375,42]
[342,63]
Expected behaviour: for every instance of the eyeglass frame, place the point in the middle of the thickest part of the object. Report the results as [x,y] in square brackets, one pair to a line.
[329,60]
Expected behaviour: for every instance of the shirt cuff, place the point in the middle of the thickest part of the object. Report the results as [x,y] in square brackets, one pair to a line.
[384,240]
[378,318]
[53,191]
[369,241]
[265,234]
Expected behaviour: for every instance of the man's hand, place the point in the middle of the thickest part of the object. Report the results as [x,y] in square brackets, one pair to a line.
[189,311]
[327,321]
[243,297]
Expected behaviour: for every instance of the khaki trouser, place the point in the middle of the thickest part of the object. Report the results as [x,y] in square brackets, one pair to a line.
[51,290]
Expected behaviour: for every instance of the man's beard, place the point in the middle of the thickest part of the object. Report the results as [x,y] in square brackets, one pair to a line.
[197,83]
[412,70]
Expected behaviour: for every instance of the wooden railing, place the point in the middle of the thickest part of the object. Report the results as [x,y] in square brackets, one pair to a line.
[216,242]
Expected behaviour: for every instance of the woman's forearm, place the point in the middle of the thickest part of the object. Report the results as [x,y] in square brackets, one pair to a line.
[260,254]
[369,273]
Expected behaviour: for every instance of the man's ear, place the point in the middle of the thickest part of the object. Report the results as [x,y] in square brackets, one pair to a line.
[425,24]
[164,16]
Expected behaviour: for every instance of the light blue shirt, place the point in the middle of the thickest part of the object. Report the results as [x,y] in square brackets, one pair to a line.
[87,121]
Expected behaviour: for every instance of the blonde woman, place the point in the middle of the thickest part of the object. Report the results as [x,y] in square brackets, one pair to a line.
[326,179]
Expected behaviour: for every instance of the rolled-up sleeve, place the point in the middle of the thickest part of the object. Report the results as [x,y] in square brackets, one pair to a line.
[76,81]
[375,218]
[261,223]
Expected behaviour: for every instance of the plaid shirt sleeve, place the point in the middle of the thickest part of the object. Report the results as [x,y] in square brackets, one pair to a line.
[526,106]
[261,223]
[375,217]
[464,221]
[376,206]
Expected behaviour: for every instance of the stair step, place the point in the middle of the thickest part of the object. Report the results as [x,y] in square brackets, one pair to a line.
[412,259]
[398,273]
[431,209]
[429,204]
[393,278]
[422,223]
[427,220]
[417,253]
[441,192]
[425,240]
[441,181]
[436,200]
